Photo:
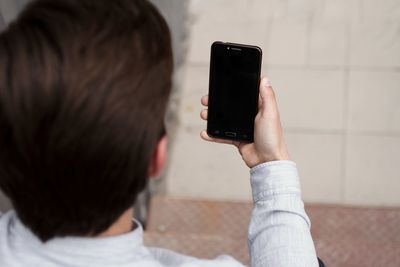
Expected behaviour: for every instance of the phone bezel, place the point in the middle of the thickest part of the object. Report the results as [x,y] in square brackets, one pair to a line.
[229,134]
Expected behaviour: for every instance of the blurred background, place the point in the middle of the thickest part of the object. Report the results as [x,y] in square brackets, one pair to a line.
[335,67]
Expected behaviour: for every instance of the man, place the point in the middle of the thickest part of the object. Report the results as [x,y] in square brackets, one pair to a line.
[83,89]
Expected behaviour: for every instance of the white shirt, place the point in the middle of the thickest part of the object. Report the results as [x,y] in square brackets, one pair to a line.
[279,235]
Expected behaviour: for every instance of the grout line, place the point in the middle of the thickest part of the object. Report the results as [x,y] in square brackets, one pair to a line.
[361,8]
[330,68]
[308,41]
[374,133]
[296,130]
[307,67]
[323,10]
[345,135]
[312,131]
[270,23]
[309,30]
[346,115]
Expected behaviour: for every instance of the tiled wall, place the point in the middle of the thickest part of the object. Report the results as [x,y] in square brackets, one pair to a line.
[335,66]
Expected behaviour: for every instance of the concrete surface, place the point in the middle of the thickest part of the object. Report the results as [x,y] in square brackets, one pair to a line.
[335,66]
[343,236]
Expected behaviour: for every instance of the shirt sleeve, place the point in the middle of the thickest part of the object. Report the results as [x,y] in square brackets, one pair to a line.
[279,231]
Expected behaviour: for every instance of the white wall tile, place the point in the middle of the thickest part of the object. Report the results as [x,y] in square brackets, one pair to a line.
[202,37]
[373,176]
[328,44]
[304,9]
[195,85]
[318,158]
[374,101]
[287,42]
[311,99]
[380,10]
[341,10]
[278,9]
[206,170]
[230,21]
[230,10]
[375,43]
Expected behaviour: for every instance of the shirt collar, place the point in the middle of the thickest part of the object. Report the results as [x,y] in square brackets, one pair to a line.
[103,247]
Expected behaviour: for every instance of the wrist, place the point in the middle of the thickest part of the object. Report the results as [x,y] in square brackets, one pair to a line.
[279,155]
[266,159]
[254,156]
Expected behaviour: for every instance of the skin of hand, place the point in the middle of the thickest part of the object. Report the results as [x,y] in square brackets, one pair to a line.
[269,144]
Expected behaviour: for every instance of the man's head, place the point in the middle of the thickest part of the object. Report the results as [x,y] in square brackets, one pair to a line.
[84,86]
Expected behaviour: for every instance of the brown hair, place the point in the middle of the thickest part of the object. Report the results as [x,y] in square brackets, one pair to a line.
[83,91]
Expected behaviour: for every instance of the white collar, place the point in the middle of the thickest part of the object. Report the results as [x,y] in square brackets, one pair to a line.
[102,247]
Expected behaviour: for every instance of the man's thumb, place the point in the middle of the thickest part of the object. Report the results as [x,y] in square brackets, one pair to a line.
[267,101]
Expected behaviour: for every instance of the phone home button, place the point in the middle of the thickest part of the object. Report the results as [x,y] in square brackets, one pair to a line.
[230,134]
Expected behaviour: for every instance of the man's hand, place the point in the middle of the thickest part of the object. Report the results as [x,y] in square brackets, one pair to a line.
[269,144]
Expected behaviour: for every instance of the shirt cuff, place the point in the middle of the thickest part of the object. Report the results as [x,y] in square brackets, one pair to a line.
[274,178]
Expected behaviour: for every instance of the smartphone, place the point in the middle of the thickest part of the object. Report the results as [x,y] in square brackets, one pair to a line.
[233,90]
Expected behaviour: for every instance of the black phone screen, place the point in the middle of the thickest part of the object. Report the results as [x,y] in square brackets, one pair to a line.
[233,91]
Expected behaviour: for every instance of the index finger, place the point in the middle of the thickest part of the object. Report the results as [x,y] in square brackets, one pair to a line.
[204,100]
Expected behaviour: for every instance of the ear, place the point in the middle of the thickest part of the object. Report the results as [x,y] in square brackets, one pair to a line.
[159,157]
